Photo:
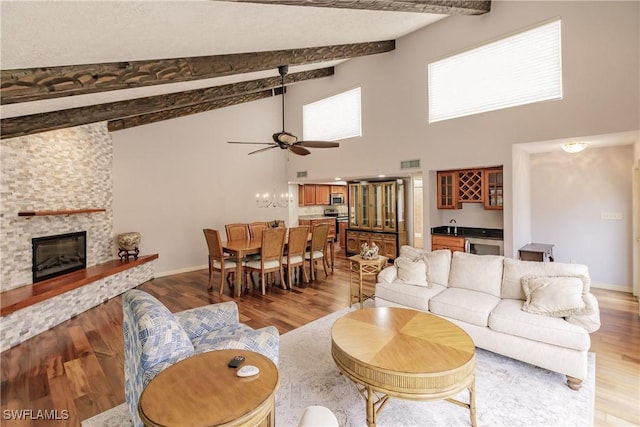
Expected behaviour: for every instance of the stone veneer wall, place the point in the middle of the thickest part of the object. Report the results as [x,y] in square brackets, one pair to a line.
[63,169]
[23,324]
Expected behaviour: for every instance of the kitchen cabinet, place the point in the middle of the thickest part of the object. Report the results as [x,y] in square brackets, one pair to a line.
[447,183]
[376,215]
[339,189]
[493,188]
[314,194]
[480,185]
[342,232]
[447,242]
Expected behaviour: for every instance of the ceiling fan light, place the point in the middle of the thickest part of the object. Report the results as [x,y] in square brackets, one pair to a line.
[574,147]
[286,138]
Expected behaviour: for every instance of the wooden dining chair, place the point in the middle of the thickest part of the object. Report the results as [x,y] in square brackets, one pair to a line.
[256,229]
[270,256]
[318,249]
[237,231]
[217,260]
[296,249]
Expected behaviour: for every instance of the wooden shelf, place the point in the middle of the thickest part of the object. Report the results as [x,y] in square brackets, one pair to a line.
[60,212]
[16,299]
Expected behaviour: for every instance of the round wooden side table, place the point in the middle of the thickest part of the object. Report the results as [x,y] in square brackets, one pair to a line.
[203,391]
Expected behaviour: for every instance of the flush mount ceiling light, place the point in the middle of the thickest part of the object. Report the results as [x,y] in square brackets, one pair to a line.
[574,147]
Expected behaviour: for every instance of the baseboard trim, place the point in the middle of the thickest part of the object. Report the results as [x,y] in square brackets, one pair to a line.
[611,287]
[182,270]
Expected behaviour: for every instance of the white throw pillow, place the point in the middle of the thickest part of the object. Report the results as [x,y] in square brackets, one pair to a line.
[412,272]
[556,296]
[410,252]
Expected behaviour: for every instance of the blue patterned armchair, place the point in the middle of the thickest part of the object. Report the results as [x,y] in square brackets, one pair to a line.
[155,338]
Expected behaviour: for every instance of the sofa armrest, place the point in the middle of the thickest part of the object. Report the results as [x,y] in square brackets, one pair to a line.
[201,320]
[590,322]
[388,274]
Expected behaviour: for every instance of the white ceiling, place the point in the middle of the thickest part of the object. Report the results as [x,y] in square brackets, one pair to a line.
[52,33]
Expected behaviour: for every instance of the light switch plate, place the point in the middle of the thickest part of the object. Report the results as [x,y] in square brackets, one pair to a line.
[611,215]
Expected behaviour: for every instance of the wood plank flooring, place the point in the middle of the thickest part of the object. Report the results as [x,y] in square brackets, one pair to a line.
[77,366]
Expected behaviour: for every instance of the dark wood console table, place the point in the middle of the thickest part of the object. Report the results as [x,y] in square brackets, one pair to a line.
[536,252]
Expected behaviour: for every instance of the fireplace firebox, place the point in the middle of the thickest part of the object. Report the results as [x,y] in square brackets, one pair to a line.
[57,255]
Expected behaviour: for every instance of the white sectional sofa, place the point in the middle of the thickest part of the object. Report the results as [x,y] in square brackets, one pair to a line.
[487,295]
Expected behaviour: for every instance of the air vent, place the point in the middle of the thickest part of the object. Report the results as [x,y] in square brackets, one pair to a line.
[410,164]
[301,174]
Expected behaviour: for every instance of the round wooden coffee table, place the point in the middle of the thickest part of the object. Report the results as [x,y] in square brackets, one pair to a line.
[409,354]
[202,390]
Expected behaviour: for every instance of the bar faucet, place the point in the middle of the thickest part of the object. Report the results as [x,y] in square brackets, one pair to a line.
[455,227]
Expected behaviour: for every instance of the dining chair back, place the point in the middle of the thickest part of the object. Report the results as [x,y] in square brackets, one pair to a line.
[256,229]
[296,248]
[270,255]
[318,249]
[237,231]
[217,260]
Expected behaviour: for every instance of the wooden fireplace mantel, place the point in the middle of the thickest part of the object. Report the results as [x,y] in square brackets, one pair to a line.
[24,296]
[59,212]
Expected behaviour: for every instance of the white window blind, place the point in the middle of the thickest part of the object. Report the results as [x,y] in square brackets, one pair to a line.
[333,118]
[516,70]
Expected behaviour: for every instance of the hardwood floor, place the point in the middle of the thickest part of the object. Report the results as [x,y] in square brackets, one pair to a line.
[77,366]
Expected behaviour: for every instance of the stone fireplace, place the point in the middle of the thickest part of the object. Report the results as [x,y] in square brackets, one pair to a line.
[67,172]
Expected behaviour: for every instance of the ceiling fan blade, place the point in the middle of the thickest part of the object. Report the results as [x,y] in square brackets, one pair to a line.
[299,150]
[263,149]
[261,143]
[318,144]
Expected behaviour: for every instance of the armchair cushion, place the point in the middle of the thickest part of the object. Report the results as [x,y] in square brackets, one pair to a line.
[201,320]
[161,335]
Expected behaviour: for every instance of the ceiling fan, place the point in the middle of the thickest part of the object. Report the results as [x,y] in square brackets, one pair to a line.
[286,140]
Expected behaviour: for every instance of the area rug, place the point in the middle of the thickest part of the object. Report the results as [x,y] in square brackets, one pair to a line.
[509,393]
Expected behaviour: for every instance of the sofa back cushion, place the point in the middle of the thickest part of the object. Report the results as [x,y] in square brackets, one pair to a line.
[515,270]
[438,266]
[481,273]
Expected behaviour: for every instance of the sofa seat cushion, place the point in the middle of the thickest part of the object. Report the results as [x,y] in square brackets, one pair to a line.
[481,273]
[509,318]
[465,305]
[408,295]
[240,336]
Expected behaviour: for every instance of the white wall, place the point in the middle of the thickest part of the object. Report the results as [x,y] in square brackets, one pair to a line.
[174,178]
[568,194]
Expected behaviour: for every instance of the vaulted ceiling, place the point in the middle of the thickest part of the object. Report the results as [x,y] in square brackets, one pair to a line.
[132,63]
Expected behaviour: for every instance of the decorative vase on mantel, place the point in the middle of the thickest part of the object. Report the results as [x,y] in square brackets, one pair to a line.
[128,245]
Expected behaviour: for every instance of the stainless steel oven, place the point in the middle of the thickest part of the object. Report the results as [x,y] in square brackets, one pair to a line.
[481,246]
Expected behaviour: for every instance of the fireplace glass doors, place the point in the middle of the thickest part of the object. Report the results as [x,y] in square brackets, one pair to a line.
[57,255]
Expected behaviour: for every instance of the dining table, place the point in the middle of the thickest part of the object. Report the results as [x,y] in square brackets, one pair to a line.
[239,249]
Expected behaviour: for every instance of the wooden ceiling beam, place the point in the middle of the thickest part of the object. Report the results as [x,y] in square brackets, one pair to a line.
[447,7]
[112,111]
[145,119]
[33,84]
